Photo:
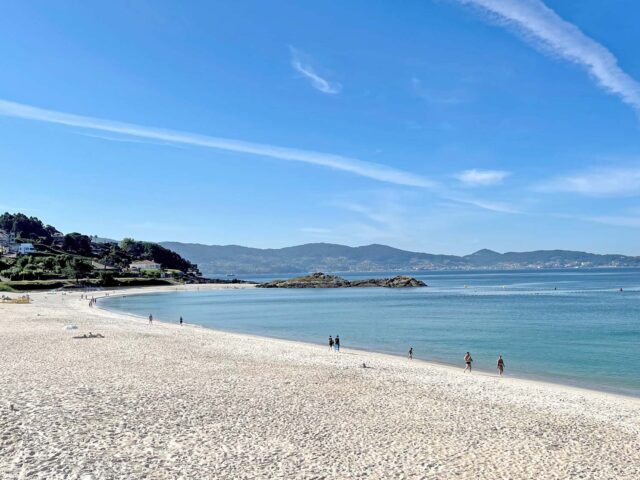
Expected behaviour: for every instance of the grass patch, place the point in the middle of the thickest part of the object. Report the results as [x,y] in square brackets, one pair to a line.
[36,285]
[142,282]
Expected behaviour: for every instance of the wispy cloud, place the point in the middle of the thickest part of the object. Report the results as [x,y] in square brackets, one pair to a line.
[386,215]
[375,171]
[111,138]
[539,23]
[481,178]
[626,218]
[492,206]
[301,65]
[355,166]
[618,221]
[376,216]
[598,182]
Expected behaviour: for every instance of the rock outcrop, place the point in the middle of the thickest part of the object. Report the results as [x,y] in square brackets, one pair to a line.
[322,280]
[400,281]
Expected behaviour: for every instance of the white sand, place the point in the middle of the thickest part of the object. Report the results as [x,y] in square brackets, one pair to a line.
[163,401]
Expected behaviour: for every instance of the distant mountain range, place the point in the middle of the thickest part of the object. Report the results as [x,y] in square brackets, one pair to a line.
[327,257]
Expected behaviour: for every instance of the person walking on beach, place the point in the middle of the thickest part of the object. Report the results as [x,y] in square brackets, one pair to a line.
[330,343]
[336,343]
[410,353]
[180,321]
[467,361]
[500,365]
[150,319]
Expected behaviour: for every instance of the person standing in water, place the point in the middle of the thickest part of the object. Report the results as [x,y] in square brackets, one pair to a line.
[500,365]
[180,321]
[410,353]
[467,361]
[150,319]
[336,343]
[330,343]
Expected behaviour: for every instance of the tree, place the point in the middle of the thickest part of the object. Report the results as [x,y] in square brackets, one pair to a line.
[23,261]
[116,257]
[127,244]
[49,263]
[26,228]
[152,251]
[107,279]
[77,243]
[77,269]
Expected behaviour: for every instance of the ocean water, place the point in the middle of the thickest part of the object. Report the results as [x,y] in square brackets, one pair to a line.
[570,326]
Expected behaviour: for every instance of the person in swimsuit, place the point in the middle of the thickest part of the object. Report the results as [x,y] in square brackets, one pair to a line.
[150,319]
[336,343]
[410,353]
[500,365]
[180,321]
[330,342]
[467,361]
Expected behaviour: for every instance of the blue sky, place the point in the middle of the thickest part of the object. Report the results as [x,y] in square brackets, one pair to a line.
[441,125]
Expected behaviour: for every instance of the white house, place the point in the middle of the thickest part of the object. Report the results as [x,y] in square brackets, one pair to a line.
[145,265]
[23,248]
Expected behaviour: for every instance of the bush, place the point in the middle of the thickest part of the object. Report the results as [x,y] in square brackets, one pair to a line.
[151,273]
[41,285]
[77,243]
[141,282]
[107,280]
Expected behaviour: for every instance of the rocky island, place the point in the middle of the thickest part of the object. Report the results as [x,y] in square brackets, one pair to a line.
[322,280]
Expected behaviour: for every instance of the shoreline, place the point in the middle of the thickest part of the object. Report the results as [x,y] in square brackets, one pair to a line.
[433,363]
[165,401]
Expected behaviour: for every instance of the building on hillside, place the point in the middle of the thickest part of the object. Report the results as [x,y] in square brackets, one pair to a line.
[103,267]
[4,242]
[8,242]
[100,245]
[57,238]
[145,265]
[7,238]
[22,248]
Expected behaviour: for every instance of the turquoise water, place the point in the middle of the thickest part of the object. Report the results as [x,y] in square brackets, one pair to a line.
[572,327]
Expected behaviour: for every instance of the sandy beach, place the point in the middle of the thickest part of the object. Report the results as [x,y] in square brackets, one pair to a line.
[163,401]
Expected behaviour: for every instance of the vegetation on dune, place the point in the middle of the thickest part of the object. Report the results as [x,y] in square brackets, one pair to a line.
[76,257]
[152,251]
[35,267]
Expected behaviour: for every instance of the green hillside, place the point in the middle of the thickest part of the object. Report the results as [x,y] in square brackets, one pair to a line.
[78,258]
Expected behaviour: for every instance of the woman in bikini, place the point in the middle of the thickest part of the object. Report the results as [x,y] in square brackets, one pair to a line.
[467,361]
[500,365]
